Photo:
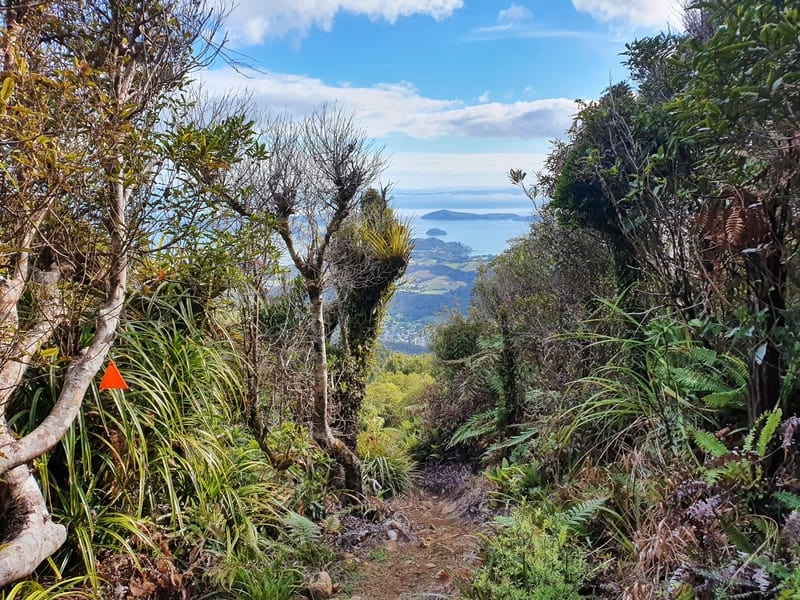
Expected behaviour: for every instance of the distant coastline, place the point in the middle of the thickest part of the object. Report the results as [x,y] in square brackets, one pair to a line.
[451,215]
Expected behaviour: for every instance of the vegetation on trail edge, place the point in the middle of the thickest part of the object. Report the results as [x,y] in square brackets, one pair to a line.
[623,382]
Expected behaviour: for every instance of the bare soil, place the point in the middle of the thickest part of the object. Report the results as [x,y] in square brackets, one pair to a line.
[436,547]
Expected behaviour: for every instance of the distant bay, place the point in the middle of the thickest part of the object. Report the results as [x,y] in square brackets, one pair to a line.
[483,236]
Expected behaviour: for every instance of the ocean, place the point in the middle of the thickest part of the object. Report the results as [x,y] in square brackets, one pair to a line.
[484,237]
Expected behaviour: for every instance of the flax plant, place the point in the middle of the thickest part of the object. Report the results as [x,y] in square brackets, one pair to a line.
[659,385]
[164,468]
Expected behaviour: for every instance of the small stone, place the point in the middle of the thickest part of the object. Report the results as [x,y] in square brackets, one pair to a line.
[430,565]
[355,597]
[320,586]
[392,534]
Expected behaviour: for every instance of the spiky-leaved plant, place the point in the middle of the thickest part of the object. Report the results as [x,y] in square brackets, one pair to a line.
[163,457]
[660,384]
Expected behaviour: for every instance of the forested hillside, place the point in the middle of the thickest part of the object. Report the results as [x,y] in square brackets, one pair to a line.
[620,397]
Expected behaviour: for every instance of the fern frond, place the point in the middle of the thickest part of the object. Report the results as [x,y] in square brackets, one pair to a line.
[495,383]
[476,426]
[301,530]
[787,500]
[749,439]
[724,400]
[768,431]
[576,517]
[692,380]
[704,356]
[514,441]
[709,443]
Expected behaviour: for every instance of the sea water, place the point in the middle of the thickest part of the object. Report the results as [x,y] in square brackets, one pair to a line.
[483,237]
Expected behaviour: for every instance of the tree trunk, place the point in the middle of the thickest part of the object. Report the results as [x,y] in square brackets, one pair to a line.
[767,275]
[34,536]
[38,537]
[321,430]
[349,396]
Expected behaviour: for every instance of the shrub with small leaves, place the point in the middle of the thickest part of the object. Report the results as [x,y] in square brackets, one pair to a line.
[530,557]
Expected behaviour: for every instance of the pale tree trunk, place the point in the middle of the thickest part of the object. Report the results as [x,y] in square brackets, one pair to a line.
[321,430]
[35,537]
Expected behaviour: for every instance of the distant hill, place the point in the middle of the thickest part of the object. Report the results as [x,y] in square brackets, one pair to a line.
[435,231]
[451,215]
[439,278]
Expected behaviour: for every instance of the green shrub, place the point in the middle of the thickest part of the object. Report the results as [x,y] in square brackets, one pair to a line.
[514,482]
[530,557]
[304,467]
[385,461]
[275,579]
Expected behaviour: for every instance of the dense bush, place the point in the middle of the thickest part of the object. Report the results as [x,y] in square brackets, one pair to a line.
[531,556]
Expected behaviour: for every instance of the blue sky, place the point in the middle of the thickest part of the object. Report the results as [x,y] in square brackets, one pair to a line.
[457,91]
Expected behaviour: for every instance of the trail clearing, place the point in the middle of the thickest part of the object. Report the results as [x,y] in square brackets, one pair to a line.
[428,546]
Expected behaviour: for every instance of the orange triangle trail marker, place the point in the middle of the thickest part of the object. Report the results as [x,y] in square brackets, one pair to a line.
[112,378]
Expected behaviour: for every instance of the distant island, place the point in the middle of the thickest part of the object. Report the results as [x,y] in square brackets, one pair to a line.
[451,215]
[436,232]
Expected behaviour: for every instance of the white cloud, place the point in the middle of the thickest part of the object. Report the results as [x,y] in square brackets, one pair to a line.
[253,21]
[484,97]
[424,170]
[398,108]
[513,14]
[648,14]
[516,21]
[508,19]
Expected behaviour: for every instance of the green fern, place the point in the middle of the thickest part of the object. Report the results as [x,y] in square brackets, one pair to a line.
[476,426]
[704,356]
[749,439]
[725,399]
[768,431]
[709,443]
[301,530]
[787,500]
[693,380]
[576,517]
[513,441]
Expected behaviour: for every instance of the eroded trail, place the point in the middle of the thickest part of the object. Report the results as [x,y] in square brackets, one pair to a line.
[435,546]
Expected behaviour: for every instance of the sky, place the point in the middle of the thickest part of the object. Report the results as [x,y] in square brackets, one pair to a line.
[456,92]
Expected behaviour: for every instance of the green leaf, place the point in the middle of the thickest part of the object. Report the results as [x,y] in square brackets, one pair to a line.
[787,500]
[765,437]
[709,443]
[7,90]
